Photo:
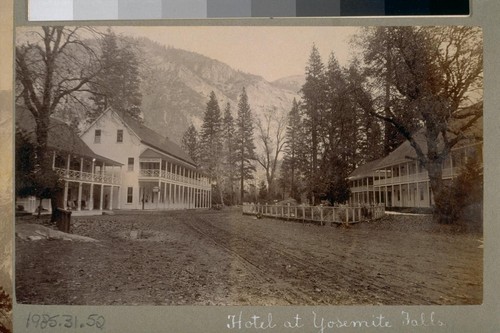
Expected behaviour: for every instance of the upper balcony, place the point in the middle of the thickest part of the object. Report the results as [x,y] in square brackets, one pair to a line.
[75,175]
[414,178]
[363,188]
[91,168]
[170,176]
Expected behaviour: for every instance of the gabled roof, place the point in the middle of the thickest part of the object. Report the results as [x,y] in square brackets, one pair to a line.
[404,153]
[366,169]
[157,141]
[150,137]
[60,136]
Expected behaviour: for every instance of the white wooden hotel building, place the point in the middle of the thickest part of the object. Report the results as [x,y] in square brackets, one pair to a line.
[398,180]
[91,181]
[156,173]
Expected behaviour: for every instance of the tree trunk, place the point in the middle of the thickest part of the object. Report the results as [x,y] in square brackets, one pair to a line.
[221,192]
[435,171]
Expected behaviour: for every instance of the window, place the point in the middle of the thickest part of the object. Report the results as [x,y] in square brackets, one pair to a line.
[130,164]
[97,136]
[421,194]
[130,192]
[119,135]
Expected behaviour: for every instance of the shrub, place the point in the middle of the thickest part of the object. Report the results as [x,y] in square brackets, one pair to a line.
[463,197]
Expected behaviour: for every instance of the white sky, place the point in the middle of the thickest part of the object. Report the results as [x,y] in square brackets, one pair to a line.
[271,52]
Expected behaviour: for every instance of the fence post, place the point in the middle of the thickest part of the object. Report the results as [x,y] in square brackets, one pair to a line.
[288,213]
[303,213]
[347,215]
[321,214]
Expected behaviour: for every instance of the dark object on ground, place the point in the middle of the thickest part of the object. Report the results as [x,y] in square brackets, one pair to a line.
[63,220]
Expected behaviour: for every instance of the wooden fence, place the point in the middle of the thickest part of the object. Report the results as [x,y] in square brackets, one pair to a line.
[320,214]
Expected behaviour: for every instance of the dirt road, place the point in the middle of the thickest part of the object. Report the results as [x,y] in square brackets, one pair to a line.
[224,258]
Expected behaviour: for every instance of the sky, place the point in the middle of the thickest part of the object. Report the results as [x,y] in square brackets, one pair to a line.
[271,52]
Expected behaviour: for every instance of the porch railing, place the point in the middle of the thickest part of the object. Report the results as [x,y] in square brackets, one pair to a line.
[322,214]
[87,176]
[157,173]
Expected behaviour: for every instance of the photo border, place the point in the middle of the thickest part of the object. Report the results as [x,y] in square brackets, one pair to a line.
[480,318]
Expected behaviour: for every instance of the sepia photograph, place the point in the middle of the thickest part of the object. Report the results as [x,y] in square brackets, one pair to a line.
[248,165]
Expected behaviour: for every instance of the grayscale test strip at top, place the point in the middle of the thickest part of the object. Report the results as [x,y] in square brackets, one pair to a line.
[79,10]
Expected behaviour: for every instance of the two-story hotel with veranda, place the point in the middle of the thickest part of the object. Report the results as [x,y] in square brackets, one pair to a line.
[156,172]
[399,180]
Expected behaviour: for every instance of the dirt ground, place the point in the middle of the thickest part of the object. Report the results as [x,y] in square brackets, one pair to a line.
[225,258]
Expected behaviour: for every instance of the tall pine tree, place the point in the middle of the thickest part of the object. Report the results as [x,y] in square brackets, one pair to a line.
[313,96]
[190,143]
[211,156]
[229,152]
[245,147]
[290,168]
[118,84]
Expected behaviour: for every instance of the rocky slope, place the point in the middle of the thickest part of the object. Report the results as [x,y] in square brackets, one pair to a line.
[176,85]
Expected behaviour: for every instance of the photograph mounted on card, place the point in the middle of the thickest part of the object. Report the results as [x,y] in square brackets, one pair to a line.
[249,165]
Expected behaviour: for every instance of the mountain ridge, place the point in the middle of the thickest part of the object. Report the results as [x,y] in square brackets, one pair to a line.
[176,84]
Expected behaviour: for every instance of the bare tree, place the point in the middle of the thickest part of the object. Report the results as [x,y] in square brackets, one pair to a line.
[53,64]
[271,132]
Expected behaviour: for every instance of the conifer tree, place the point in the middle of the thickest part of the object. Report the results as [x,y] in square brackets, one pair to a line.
[118,84]
[290,167]
[211,159]
[190,143]
[313,96]
[245,147]
[229,151]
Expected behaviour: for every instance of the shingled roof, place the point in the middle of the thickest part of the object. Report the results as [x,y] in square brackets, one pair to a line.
[157,141]
[404,153]
[365,170]
[60,136]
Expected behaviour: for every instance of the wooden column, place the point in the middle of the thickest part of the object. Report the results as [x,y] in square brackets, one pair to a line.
[101,199]
[68,165]
[165,194]
[79,202]
[118,199]
[65,196]
[91,198]
[110,206]
[66,185]
[386,198]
